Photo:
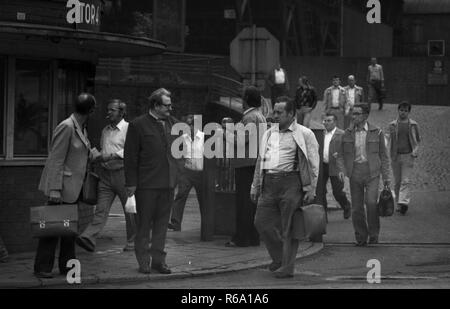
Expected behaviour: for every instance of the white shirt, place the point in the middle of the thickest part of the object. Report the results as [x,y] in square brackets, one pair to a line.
[335,97]
[351,96]
[326,145]
[112,142]
[280,152]
[360,144]
[194,151]
[279,77]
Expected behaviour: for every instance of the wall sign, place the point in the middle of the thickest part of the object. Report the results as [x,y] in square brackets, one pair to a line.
[84,14]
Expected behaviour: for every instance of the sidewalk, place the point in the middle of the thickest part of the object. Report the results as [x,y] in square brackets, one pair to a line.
[187,256]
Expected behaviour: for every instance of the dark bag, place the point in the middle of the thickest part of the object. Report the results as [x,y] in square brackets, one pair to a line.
[386,203]
[54,220]
[90,186]
[309,222]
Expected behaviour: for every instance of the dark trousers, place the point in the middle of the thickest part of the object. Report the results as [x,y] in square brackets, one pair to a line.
[45,254]
[376,93]
[246,233]
[153,212]
[281,196]
[187,180]
[338,188]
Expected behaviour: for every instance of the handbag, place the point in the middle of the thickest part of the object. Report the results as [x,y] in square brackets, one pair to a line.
[90,186]
[309,222]
[54,220]
[386,203]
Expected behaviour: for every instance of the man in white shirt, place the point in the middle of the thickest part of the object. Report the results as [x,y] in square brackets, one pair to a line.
[355,95]
[375,80]
[191,175]
[112,178]
[332,142]
[278,81]
[335,99]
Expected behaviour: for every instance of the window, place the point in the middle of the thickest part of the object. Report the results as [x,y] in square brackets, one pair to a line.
[2,105]
[31,107]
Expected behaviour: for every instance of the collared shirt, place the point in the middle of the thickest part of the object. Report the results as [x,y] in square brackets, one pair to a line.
[376,72]
[335,97]
[326,145]
[112,142]
[161,121]
[360,144]
[194,151]
[279,77]
[281,152]
[351,96]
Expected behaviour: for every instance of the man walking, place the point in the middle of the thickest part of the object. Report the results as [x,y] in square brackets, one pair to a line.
[375,80]
[335,100]
[246,234]
[112,178]
[355,95]
[403,143]
[285,177]
[278,82]
[364,156]
[150,174]
[332,144]
[191,174]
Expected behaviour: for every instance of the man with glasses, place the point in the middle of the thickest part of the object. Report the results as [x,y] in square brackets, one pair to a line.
[364,156]
[112,178]
[150,174]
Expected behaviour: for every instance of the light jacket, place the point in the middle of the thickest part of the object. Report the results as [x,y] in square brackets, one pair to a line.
[414,137]
[328,99]
[377,155]
[308,154]
[65,169]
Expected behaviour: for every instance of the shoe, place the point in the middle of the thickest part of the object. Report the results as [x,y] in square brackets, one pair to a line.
[128,247]
[274,266]
[145,269]
[174,227]
[230,244]
[361,243]
[373,240]
[85,244]
[283,275]
[347,211]
[403,208]
[162,269]
[43,274]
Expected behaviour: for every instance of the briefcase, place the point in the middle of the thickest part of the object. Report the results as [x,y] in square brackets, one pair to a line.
[309,222]
[386,203]
[54,220]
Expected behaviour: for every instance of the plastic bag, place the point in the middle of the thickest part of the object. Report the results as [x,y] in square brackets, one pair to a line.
[130,205]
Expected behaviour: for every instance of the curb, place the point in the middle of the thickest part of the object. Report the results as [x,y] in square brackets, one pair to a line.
[136,278]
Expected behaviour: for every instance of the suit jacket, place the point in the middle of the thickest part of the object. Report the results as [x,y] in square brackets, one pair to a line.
[334,148]
[148,160]
[65,169]
[328,99]
[359,97]
[308,154]
[377,155]
[252,116]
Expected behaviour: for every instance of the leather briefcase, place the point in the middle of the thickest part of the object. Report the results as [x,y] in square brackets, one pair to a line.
[54,220]
[309,222]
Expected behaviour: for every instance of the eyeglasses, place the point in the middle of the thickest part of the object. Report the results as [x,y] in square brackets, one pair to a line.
[169,106]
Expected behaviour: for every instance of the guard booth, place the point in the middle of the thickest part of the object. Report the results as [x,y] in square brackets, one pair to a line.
[253,54]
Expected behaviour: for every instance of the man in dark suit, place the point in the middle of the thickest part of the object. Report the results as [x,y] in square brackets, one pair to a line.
[150,174]
[332,141]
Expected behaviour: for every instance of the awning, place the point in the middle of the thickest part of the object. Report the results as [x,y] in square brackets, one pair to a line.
[102,44]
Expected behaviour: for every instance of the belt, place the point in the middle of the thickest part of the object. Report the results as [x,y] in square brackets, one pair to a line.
[281,174]
[335,107]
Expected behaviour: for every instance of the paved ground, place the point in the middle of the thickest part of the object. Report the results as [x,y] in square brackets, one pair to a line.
[428,222]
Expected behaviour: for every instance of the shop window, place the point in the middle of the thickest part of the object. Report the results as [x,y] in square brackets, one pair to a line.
[2,105]
[31,109]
